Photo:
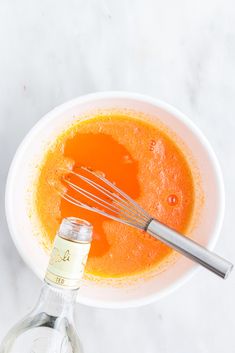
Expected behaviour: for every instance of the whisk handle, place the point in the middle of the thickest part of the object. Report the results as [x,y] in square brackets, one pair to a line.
[190,248]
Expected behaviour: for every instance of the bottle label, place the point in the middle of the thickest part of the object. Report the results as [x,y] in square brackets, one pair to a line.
[67,263]
[41,339]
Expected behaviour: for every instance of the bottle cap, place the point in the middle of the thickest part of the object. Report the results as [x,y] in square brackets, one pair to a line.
[76,229]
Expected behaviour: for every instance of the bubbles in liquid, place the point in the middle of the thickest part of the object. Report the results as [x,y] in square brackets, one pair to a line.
[127,159]
[99,173]
[136,130]
[57,185]
[172,200]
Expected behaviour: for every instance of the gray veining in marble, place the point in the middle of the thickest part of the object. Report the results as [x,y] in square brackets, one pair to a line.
[180,51]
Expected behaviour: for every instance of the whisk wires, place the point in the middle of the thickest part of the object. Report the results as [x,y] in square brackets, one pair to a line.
[107,200]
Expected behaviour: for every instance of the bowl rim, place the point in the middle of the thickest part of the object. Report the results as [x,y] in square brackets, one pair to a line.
[178,115]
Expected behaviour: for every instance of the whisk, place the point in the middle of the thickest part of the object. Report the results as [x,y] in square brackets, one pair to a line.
[105,198]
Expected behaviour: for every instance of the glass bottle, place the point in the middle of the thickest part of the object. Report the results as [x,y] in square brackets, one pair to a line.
[49,327]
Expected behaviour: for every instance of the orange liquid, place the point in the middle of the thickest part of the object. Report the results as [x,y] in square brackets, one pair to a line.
[144,162]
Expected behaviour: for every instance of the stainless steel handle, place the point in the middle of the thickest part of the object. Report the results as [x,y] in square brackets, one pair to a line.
[190,248]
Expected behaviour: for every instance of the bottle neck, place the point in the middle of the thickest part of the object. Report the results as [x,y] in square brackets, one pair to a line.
[57,302]
[66,267]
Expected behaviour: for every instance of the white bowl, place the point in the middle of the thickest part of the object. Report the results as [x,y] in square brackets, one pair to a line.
[31,151]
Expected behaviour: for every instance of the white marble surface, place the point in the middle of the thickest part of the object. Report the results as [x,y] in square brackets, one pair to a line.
[180,51]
